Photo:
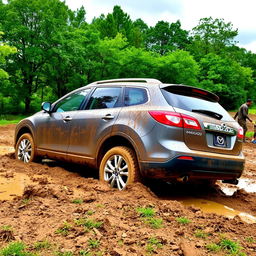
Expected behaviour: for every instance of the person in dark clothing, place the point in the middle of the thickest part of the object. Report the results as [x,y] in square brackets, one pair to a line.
[242,115]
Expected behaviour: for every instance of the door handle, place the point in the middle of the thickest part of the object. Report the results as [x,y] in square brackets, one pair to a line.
[108,117]
[67,119]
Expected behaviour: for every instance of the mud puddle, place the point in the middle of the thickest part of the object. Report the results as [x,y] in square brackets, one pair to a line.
[208,206]
[13,185]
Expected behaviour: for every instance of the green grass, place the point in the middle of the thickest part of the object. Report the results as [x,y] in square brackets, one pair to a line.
[88,223]
[155,222]
[77,201]
[6,228]
[85,253]
[15,249]
[250,239]
[146,212]
[10,119]
[228,246]
[252,111]
[40,245]
[249,134]
[153,244]
[201,234]
[213,247]
[183,220]
[64,229]
[93,243]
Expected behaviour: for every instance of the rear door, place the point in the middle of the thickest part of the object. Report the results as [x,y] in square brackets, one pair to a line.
[94,123]
[218,131]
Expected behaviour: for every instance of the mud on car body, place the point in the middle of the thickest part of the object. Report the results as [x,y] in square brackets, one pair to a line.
[134,128]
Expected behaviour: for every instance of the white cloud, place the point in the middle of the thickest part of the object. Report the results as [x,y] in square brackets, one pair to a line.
[251,46]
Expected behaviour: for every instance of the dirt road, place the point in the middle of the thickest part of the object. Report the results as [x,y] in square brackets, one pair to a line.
[61,209]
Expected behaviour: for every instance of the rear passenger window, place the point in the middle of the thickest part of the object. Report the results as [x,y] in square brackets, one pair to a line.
[104,98]
[135,96]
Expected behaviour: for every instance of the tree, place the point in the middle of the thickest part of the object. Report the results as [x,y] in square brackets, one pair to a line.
[225,77]
[212,35]
[178,67]
[31,26]
[166,37]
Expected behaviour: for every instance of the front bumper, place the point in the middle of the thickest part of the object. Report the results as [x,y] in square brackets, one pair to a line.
[198,168]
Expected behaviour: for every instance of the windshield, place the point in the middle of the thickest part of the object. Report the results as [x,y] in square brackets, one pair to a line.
[198,105]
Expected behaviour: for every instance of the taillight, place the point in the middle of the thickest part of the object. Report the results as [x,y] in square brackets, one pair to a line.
[175,119]
[240,133]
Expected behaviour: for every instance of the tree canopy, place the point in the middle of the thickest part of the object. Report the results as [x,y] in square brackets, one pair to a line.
[47,50]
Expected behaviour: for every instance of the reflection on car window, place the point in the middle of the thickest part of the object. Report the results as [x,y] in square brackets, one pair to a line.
[72,102]
[104,98]
[135,96]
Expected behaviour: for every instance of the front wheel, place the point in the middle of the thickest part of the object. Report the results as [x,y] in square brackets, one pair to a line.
[119,167]
[25,148]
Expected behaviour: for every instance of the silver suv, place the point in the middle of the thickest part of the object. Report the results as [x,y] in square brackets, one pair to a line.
[132,128]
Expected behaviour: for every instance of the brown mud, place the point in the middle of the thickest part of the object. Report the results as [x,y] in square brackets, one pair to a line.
[45,195]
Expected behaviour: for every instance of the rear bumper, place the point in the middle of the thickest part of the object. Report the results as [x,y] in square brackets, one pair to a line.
[198,168]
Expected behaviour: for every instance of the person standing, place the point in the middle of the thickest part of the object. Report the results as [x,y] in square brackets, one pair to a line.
[242,115]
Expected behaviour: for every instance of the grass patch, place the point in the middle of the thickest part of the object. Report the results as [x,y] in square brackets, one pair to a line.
[64,229]
[201,234]
[153,244]
[93,243]
[250,239]
[155,222]
[41,245]
[213,247]
[26,201]
[183,220]
[90,212]
[231,247]
[15,249]
[7,228]
[252,110]
[146,212]
[88,223]
[85,253]
[10,119]
[77,201]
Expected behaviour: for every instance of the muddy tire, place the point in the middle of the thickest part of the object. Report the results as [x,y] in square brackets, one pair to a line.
[119,167]
[25,148]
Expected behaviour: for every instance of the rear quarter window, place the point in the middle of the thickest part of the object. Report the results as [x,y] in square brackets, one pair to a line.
[135,96]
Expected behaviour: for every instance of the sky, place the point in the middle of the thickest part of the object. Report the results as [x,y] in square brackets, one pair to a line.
[242,14]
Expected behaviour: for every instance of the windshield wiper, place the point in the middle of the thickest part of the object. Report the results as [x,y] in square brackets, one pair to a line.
[208,113]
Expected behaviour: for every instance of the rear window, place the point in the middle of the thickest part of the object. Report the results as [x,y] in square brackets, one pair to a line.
[197,105]
[135,96]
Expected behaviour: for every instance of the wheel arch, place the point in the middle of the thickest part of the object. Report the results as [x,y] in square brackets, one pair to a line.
[22,130]
[113,141]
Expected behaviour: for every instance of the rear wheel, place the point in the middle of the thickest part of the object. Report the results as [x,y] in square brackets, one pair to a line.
[25,148]
[119,167]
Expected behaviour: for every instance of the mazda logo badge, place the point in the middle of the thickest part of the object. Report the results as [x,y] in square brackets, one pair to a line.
[220,140]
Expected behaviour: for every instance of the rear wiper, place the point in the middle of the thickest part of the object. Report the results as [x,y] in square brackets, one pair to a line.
[208,113]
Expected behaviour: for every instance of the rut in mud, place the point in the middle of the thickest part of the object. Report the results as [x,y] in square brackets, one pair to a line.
[69,208]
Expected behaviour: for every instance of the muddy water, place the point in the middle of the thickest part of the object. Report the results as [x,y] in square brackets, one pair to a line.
[213,207]
[13,186]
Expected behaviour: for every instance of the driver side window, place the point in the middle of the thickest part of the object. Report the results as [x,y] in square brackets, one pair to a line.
[72,102]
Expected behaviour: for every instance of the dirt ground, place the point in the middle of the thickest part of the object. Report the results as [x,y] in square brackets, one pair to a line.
[62,209]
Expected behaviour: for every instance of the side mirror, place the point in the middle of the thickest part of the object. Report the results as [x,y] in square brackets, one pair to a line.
[46,106]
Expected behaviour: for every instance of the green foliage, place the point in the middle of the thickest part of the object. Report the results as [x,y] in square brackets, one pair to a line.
[88,223]
[6,228]
[93,243]
[183,220]
[213,247]
[64,253]
[64,229]
[40,245]
[146,212]
[201,234]
[155,222]
[15,249]
[77,201]
[153,244]
[49,50]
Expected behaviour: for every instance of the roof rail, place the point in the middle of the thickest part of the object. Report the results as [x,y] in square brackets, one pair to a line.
[138,80]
